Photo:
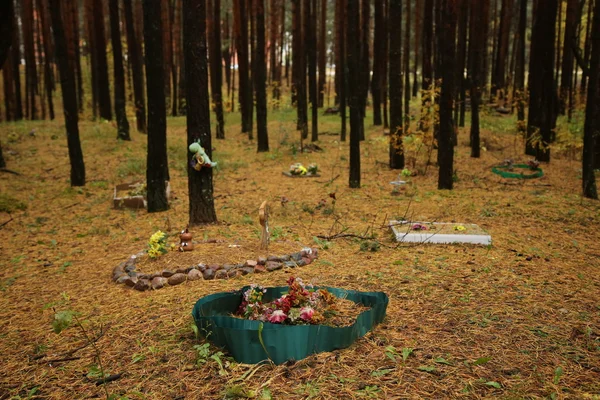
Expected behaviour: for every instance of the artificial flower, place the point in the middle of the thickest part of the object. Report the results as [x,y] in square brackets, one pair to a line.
[277,317]
[306,313]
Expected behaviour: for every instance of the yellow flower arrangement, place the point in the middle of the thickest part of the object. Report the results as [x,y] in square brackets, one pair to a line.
[157,245]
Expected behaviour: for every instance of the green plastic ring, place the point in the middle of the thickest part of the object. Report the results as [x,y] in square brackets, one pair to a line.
[502,171]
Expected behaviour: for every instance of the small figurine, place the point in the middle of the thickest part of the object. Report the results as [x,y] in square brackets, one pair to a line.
[185,241]
[200,158]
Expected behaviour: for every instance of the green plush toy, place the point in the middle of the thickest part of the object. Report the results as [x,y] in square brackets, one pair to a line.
[200,158]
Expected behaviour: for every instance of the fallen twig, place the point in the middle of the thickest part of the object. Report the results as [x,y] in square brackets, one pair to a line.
[10,171]
[331,180]
[107,379]
[6,222]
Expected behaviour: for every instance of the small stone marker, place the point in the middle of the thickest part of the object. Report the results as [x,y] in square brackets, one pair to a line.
[263,218]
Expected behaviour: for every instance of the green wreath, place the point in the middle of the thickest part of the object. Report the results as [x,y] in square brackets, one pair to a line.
[503,171]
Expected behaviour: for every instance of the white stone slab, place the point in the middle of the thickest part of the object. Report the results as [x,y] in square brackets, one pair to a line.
[439,232]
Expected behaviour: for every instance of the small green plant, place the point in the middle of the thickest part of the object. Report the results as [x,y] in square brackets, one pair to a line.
[322,243]
[391,353]
[238,392]
[9,204]
[203,356]
[370,245]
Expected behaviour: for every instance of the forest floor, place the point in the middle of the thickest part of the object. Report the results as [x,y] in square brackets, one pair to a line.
[517,319]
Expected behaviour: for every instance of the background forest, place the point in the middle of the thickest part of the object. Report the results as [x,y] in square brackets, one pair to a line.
[436,93]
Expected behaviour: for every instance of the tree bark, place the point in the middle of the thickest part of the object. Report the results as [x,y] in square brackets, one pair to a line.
[395,84]
[7,28]
[48,55]
[447,46]
[119,77]
[343,80]
[417,30]
[165,15]
[426,68]
[353,58]
[406,59]
[31,81]
[273,49]
[200,183]
[259,75]
[378,61]
[69,95]
[322,51]
[365,67]
[299,65]
[311,36]
[499,70]
[100,50]
[134,53]
[520,95]
[542,93]
[156,164]
[461,55]
[591,136]
[213,27]
[566,76]
[477,43]
[241,44]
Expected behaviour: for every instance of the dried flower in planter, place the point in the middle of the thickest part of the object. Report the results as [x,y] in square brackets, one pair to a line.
[302,305]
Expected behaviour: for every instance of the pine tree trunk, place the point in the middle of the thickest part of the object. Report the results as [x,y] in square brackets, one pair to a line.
[44,18]
[73,7]
[134,52]
[566,76]
[587,45]
[499,76]
[341,59]
[312,68]
[241,44]
[520,96]
[447,46]
[461,55]
[31,83]
[365,67]
[273,50]
[322,51]
[477,49]
[226,54]
[165,15]
[337,50]
[426,68]
[250,81]
[384,68]
[200,183]
[69,95]
[406,59]
[156,163]
[259,74]
[417,30]
[8,32]
[16,76]
[100,49]
[542,95]
[299,65]
[7,29]
[176,50]
[213,28]
[119,76]
[378,61]
[591,135]
[353,59]
[89,19]
[395,84]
